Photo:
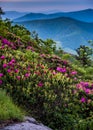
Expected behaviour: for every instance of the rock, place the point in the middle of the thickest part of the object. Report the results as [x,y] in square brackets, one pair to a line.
[28,124]
[30,120]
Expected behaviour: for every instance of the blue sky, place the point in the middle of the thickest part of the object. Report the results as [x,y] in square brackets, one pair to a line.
[45,5]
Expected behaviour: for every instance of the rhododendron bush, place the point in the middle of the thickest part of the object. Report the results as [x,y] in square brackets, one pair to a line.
[48,87]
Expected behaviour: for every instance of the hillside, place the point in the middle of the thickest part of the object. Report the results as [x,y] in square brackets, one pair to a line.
[83,15]
[69,32]
[47,83]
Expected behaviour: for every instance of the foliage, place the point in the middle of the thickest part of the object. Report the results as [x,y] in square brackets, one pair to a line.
[84,53]
[1,12]
[55,90]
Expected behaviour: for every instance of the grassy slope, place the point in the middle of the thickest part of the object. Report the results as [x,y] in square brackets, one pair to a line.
[9,112]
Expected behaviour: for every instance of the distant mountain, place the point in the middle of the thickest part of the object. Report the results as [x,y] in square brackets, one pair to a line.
[83,15]
[13,14]
[70,33]
[31,16]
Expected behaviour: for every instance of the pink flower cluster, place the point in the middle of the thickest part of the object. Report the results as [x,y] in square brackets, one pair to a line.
[1,75]
[5,42]
[13,68]
[5,65]
[27,75]
[18,77]
[40,84]
[12,62]
[65,62]
[73,72]
[62,70]
[86,87]
[30,48]
[2,57]
[83,99]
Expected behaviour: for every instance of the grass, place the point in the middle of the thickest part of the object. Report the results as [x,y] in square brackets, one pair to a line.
[8,110]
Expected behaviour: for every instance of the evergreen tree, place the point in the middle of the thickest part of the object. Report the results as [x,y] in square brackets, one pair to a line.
[1,12]
[83,54]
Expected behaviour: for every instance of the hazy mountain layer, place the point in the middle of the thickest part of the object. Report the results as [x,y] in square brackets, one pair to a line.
[13,14]
[83,15]
[68,32]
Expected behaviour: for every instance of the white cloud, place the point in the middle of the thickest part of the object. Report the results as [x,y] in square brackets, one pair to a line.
[69,50]
[58,44]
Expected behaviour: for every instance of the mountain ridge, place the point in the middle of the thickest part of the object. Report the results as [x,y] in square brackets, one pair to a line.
[82,15]
[13,14]
[69,32]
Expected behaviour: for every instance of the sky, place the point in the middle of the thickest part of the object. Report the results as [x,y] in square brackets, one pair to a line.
[45,5]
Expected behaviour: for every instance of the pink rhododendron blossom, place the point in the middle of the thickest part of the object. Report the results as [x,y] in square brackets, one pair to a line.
[83,100]
[65,62]
[13,60]
[42,55]
[75,78]
[2,57]
[73,72]
[63,70]
[9,70]
[28,68]
[82,83]
[6,42]
[16,70]
[87,91]
[10,63]
[13,47]
[1,74]
[4,65]
[40,84]
[53,72]
[79,86]
[18,77]
[29,48]
[86,84]
[27,75]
